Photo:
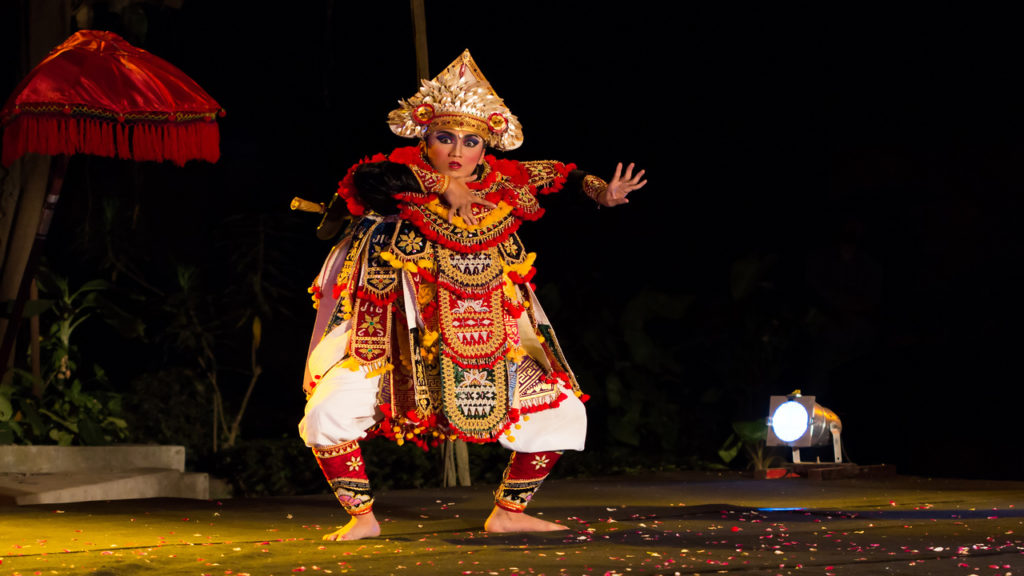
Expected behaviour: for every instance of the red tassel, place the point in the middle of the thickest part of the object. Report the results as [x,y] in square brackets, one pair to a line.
[76,134]
[519,279]
[465,292]
[563,173]
[122,139]
[362,294]
[514,310]
[429,311]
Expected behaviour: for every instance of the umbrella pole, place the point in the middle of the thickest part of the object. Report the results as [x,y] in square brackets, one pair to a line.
[58,168]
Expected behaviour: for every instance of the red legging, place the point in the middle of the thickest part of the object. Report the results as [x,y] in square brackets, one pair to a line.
[346,472]
[525,472]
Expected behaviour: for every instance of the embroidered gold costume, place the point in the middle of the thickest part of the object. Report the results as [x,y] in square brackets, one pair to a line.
[431,328]
[443,312]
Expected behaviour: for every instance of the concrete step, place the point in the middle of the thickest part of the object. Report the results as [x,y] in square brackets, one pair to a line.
[54,459]
[89,486]
[56,474]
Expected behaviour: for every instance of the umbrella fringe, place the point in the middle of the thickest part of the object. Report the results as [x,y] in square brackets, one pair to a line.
[53,135]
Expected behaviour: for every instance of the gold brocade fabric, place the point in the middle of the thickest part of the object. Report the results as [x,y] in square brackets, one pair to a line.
[444,313]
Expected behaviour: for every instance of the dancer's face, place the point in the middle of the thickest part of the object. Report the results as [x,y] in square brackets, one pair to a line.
[455,153]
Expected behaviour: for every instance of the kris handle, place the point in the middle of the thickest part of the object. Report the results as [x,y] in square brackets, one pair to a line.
[303,205]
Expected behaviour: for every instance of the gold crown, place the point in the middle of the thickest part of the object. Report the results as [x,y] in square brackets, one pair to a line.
[459,98]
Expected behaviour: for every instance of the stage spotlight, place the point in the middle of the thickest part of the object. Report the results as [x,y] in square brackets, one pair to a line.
[798,421]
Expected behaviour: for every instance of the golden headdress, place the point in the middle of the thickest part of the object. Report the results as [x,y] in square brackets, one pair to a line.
[459,98]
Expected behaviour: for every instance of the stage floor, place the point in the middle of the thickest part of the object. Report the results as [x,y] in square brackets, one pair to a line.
[671,523]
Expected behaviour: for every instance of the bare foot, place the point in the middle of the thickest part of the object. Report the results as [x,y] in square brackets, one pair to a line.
[362,526]
[502,520]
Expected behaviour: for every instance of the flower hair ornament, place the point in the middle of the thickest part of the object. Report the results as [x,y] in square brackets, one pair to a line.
[459,98]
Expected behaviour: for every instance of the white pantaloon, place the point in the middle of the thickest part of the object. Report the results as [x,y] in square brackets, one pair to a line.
[344,406]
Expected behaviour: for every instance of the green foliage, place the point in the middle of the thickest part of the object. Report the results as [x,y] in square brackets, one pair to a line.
[750,436]
[68,403]
[32,308]
[267,467]
[6,409]
[161,409]
[204,331]
[214,279]
[216,334]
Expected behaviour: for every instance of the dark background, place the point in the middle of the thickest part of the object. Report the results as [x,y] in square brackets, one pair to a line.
[831,204]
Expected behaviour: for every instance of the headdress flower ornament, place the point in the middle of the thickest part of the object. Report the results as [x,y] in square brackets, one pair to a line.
[459,98]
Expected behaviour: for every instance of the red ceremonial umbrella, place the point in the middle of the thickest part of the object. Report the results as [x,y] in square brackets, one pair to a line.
[98,94]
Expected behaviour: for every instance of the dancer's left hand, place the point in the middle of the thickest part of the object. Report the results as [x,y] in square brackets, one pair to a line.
[621,185]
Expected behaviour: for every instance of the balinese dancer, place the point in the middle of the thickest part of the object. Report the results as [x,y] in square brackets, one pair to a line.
[428,327]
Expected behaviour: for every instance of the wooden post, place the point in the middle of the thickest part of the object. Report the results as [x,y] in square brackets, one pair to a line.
[448,476]
[33,345]
[58,168]
[462,462]
[419,34]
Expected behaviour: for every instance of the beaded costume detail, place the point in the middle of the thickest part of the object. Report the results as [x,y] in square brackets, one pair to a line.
[444,311]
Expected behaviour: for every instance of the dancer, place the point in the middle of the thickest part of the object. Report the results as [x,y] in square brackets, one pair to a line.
[428,328]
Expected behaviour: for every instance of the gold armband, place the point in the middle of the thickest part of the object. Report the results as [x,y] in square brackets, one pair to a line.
[593,187]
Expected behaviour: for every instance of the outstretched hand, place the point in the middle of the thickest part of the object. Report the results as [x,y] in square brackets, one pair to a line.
[621,185]
[460,200]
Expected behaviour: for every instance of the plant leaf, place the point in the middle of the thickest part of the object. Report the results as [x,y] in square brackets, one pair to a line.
[6,410]
[751,431]
[730,449]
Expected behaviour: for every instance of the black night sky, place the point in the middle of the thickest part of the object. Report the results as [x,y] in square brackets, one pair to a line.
[831,203]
